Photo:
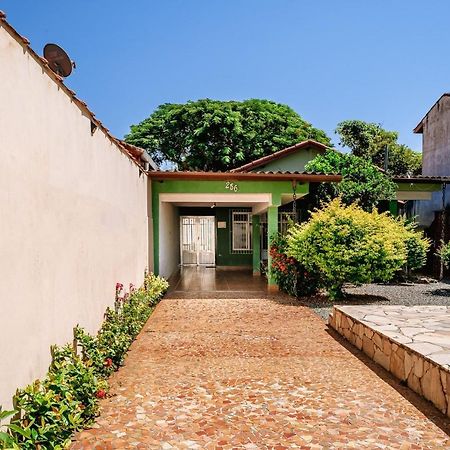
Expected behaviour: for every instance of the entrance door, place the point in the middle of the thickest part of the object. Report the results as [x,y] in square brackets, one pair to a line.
[197,243]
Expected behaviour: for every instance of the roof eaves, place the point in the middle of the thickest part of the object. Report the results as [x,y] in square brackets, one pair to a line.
[275,175]
[421,179]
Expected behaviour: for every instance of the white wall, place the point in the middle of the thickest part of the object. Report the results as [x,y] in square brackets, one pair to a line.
[73,219]
[169,239]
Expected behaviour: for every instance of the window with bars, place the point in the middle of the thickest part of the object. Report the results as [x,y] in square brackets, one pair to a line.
[241,231]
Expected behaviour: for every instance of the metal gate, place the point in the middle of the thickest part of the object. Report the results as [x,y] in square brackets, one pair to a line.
[197,243]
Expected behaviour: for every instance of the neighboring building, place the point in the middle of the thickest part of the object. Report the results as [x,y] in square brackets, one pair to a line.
[435,130]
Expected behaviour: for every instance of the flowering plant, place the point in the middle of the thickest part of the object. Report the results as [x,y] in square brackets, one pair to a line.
[67,399]
[289,274]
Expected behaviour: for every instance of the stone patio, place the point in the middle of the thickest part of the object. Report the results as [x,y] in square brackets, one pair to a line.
[255,374]
[411,342]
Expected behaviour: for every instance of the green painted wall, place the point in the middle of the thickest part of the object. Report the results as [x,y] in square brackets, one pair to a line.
[272,227]
[256,235]
[424,187]
[276,188]
[224,256]
[293,162]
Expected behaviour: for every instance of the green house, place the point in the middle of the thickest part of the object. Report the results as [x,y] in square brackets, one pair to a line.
[226,219]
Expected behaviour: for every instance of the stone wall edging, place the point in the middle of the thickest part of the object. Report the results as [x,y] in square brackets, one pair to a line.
[421,374]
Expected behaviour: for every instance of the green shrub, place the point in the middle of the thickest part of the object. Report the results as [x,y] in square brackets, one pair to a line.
[66,400]
[291,276]
[444,254]
[417,246]
[347,244]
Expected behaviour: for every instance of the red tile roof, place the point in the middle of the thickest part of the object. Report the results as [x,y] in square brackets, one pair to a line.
[254,176]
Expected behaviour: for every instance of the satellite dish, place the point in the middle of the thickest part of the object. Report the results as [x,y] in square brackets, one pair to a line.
[58,60]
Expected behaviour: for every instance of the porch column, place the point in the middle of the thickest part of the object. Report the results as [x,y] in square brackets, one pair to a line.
[393,207]
[272,228]
[256,245]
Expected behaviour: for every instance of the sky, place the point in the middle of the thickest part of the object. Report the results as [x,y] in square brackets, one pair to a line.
[383,61]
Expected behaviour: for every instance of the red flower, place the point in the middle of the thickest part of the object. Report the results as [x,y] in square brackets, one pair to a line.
[108,362]
[119,287]
[101,393]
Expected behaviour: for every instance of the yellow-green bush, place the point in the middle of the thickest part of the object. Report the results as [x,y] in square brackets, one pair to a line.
[444,253]
[349,245]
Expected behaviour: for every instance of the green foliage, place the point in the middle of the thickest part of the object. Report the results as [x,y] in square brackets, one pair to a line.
[66,400]
[417,246]
[291,276]
[362,182]
[349,245]
[220,135]
[444,253]
[368,140]
[6,440]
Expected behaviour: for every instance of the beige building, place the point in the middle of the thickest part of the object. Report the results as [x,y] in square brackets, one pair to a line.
[435,130]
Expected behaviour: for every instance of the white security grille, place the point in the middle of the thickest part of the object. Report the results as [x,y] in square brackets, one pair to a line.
[197,240]
[241,231]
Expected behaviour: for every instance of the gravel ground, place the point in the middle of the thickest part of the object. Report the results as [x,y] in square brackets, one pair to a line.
[409,294]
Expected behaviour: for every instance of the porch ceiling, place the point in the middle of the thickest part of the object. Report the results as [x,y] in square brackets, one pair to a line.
[259,202]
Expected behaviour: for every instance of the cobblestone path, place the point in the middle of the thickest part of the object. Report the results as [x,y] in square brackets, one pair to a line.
[255,374]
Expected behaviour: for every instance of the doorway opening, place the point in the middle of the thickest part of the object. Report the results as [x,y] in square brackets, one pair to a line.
[197,241]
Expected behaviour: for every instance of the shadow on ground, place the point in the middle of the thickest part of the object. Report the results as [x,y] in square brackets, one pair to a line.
[423,405]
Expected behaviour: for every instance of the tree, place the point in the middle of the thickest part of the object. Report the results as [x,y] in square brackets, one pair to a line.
[220,135]
[346,244]
[369,140]
[362,182]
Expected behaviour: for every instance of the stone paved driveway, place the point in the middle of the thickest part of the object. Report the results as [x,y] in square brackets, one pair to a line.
[254,374]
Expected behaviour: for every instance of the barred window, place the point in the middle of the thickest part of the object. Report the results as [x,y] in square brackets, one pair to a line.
[241,231]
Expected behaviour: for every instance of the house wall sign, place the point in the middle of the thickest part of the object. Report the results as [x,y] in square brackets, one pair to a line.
[234,187]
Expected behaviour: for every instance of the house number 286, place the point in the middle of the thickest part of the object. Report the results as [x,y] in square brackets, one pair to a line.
[231,186]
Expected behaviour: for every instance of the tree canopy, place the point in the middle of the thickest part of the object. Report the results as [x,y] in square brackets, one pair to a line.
[369,140]
[362,182]
[220,135]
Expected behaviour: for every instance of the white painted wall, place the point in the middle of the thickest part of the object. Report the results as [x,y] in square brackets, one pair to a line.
[169,239]
[73,219]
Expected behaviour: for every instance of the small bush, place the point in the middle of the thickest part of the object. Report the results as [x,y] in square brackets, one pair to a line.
[417,246]
[291,276]
[48,411]
[347,244]
[444,254]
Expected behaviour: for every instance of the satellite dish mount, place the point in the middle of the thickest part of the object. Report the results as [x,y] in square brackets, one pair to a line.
[58,60]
